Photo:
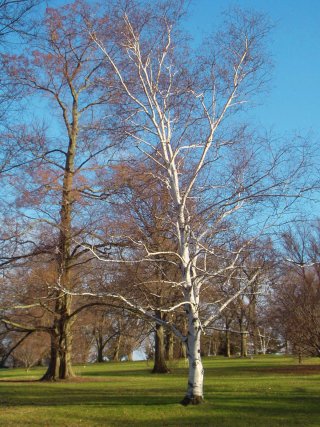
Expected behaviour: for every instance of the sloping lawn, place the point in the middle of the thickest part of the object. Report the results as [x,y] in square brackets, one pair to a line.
[264,391]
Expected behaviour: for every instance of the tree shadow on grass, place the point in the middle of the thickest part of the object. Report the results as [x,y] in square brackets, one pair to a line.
[65,396]
[97,403]
[213,372]
[116,373]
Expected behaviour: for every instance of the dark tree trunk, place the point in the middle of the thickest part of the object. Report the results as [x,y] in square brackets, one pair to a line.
[244,344]
[60,356]
[65,343]
[254,324]
[169,345]
[160,366]
[255,339]
[60,352]
[244,339]
[116,353]
[100,348]
[209,346]
[183,350]
[228,346]
[52,372]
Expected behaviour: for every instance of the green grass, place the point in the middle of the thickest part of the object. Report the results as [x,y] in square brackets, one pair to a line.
[266,391]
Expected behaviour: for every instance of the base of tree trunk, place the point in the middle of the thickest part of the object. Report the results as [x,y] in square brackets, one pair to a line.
[195,400]
[47,377]
[161,370]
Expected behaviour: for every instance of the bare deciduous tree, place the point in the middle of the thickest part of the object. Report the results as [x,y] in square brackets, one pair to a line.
[176,107]
[64,68]
[295,303]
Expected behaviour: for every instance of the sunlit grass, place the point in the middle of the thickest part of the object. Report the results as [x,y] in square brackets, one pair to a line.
[266,391]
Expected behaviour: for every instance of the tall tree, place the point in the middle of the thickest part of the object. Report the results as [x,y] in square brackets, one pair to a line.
[177,106]
[64,67]
[142,206]
[295,302]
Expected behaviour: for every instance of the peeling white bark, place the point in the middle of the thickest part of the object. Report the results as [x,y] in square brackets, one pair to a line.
[195,377]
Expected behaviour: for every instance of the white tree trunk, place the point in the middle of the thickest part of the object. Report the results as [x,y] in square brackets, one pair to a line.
[194,393]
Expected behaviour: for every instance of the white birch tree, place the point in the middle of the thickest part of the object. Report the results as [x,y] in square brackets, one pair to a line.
[176,107]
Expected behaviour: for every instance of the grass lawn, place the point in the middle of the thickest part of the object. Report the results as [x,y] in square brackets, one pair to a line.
[264,391]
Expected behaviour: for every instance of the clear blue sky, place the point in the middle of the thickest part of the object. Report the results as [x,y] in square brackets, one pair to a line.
[293,103]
